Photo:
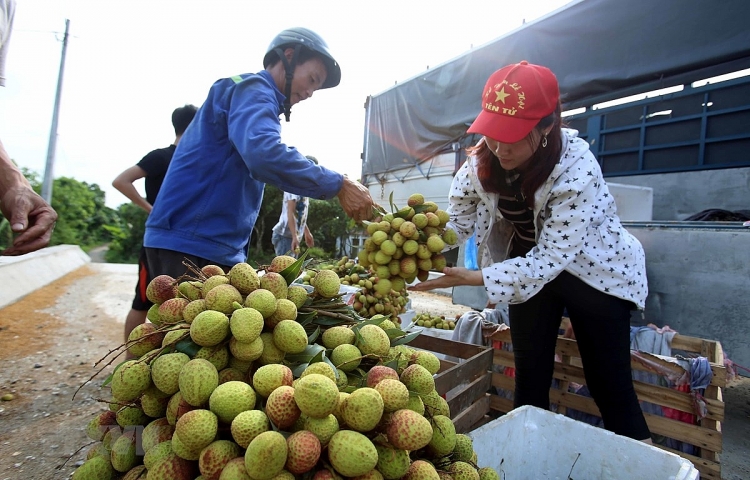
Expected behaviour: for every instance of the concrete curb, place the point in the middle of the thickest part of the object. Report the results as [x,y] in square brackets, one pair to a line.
[27,273]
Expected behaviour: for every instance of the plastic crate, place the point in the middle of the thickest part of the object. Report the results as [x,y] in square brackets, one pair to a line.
[532,443]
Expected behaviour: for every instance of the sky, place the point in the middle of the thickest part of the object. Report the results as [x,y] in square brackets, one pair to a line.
[129,64]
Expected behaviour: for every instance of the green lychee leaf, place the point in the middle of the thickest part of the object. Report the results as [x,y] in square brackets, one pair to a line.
[390,200]
[405,339]
[305,318]
[319,356]
[421,208]
[328,321]
[298,369]
[395,333]
[314,336]
[188,347]
[291,272]
[306,356]
[330,363]
[393,364]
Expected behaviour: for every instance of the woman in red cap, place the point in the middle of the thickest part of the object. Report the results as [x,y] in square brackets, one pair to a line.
[549,239]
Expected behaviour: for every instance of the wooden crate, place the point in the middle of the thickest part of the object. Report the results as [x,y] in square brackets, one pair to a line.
[464,378]
[706,435]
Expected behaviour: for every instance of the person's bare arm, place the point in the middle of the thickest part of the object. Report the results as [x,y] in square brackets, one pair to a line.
[26,211]
[309,240]
[291,206]
[452,277]
[124,183]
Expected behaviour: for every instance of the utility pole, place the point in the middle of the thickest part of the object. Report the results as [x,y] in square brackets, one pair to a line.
[49,168]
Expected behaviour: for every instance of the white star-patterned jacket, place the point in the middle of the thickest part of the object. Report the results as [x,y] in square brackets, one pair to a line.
[577,230]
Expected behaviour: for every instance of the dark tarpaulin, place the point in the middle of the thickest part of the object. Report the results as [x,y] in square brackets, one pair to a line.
[599,50]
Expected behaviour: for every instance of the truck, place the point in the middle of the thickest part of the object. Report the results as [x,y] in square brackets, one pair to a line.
[661,91]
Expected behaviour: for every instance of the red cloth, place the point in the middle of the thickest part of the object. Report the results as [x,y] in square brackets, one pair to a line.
[507,371]
[679,414]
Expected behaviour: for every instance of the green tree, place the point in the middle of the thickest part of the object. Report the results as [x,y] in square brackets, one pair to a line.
[81,213]
[127,234]
[329,224]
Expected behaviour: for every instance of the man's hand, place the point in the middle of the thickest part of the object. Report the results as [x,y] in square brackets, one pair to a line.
[356,201]
[452,277]
[309,240]
[30,216]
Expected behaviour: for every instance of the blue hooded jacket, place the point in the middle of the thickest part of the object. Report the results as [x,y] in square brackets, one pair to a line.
[212,192]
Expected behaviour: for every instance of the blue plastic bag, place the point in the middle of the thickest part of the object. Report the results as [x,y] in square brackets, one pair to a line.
[470,254]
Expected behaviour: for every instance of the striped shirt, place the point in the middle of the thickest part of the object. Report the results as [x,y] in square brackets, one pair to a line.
[512,206]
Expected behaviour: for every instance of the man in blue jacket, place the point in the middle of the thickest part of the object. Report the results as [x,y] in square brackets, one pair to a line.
[212,192]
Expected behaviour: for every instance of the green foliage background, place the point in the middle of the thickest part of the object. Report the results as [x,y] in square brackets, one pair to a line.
[85,220]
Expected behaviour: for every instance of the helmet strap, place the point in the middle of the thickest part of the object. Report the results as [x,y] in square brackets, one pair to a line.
[289,68]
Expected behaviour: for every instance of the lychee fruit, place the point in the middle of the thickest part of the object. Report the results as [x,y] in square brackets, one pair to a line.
[338,335]
[161,288]
[290,336]
[269,377]
[285,310]
[373,341]
[393,463]
[408,430]
[215,456]
[327,283]
[197,380]
[246,324]
[130,380]
[421,470]
[171,311]
[380,372]
[246,351]
[316,395]
[418,379]
[165,371]
[351,454]
[395,395]
[280,263]
[363,409]
[346,357]
[274,283]
[297,294]
[244,278]
[222,299]
[303,452]
[266,455]
[262,300]
[281,407]
[230,399]
[209,328]
[144,338]
[248,425]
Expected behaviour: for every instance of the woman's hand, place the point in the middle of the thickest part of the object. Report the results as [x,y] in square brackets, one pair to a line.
[452,277]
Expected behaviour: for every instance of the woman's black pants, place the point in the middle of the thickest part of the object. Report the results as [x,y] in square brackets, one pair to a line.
[601,324]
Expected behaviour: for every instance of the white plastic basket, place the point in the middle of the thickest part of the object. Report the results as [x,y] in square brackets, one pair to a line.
[530,443]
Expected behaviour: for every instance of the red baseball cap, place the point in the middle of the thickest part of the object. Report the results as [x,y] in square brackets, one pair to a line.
[515,99]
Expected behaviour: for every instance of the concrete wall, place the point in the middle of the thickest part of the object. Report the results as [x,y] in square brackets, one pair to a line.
[681,194]
[698,282]
[22,275]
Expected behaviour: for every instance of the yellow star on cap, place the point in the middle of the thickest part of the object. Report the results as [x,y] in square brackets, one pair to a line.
[501,95]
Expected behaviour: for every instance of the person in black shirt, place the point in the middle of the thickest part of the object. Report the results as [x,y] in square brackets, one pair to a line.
[152,168]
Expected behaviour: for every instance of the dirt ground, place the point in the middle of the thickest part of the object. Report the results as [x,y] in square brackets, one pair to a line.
[51,339]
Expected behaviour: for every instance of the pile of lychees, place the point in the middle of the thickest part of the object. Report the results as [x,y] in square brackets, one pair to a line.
[242,375]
